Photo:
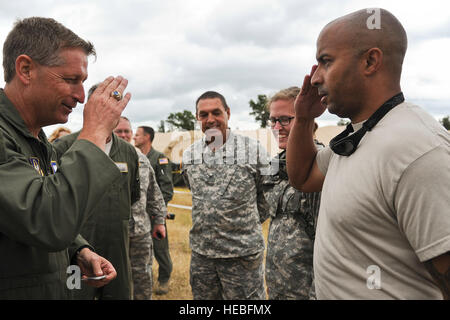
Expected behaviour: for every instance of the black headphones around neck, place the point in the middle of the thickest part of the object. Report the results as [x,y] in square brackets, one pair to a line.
[344,144]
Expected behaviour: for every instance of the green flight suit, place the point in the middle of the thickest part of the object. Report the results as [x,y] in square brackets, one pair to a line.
[163,172]
[43,206]
[108,229]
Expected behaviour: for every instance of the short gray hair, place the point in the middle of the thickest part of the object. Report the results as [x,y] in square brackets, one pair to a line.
[41,39]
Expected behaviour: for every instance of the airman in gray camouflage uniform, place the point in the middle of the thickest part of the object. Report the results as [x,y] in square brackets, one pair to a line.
[150,204]
[163,171]
[141,247]
[224,172]
[289,260]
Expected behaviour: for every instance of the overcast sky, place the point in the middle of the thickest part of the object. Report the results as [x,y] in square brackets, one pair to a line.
[172,51]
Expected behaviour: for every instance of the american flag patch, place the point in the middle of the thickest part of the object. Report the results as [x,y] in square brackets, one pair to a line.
[163,161]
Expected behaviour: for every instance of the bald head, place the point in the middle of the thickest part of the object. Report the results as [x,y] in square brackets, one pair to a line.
[358,31]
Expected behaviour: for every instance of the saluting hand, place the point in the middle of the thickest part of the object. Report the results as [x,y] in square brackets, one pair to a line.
[307,104]
[102,112]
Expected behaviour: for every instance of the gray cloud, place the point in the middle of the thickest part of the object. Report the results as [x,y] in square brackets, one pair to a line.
[172,51]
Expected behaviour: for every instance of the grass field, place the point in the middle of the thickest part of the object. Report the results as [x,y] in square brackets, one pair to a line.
[178,230]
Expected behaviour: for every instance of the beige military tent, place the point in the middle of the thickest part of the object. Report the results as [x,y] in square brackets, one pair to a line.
[174,143]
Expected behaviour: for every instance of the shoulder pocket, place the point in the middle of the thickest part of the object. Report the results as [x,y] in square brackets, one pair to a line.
[238,182]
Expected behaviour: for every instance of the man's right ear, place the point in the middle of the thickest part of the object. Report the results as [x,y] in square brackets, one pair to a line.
[24,67]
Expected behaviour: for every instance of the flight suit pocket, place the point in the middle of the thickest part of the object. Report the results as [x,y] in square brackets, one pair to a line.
[121,197]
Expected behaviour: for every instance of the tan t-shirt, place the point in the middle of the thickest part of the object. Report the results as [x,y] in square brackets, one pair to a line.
[384,210]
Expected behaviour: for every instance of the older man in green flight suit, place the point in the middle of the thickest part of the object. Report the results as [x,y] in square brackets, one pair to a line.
[43,206]
[108,229]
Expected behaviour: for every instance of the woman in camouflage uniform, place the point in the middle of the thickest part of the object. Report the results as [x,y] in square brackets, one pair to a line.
[289,261]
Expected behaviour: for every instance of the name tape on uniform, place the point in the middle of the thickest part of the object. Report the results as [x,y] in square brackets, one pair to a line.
[123,166]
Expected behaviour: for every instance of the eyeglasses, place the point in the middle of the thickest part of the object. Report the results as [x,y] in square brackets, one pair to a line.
[284,121]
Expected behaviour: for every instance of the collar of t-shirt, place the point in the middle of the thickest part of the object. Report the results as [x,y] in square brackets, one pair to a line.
[357,126]
[108,147]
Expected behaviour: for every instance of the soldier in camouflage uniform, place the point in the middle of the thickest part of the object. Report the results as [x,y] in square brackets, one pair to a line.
[163,172]
[289,260]
[151,203]
[225,174]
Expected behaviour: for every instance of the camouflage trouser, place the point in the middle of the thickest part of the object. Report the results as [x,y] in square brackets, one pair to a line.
[289,260]
[239,278]
[275,295]
[141,257]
